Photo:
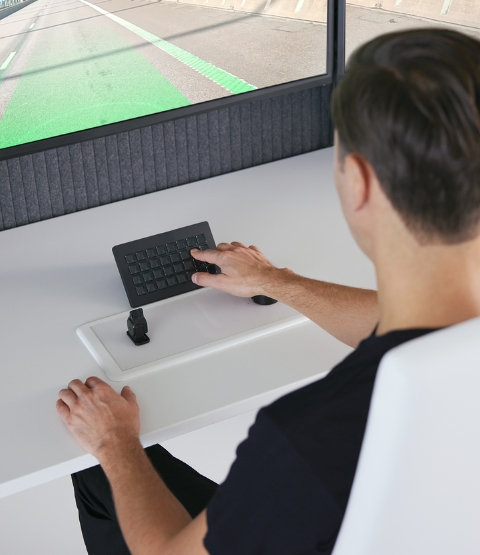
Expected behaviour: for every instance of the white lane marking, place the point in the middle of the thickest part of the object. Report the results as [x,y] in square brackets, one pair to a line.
[31,25]
[8,60]
[446,7]
[299,6]
[192,61]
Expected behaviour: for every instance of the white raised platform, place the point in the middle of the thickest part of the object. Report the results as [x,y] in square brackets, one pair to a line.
[182,329]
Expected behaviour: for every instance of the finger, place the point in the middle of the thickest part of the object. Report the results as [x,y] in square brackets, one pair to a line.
[67,396]
[62,409]
[237,244]
[93,381]
[224,247]
[204,279]
[128,395]
[254,248]
[78,387]
[212,256]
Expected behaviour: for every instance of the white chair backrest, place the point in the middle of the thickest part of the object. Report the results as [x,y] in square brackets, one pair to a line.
[417,486]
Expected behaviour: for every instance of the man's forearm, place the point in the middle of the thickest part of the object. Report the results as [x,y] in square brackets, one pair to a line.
[348,313]
[149,514]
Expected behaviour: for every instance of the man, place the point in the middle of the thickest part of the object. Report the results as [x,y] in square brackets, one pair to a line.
[407,167]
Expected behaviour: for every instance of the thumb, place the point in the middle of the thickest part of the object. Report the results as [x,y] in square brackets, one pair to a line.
[128,394]
[204,279]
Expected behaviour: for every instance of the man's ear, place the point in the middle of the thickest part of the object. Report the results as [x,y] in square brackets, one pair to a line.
[358,178]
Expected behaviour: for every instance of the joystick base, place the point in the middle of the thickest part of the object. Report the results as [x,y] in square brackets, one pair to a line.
[142,341]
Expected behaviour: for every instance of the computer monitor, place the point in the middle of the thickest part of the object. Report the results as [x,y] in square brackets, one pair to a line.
[74,70]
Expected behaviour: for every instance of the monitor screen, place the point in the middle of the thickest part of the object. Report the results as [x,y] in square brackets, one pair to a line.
[73,65]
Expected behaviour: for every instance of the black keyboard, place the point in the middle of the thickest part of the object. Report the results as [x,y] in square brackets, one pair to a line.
[160,266]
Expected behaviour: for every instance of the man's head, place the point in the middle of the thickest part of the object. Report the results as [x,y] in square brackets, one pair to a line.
[407,117]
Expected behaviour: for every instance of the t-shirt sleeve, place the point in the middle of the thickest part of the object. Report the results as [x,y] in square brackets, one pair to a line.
[272,502]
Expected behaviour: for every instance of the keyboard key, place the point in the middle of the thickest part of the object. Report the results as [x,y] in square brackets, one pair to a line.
[177,268]
[162,283]
[148,276]
[137,280]
[192,242]
[130,258]
[182,244]
[203,247]
[161,250]
[155,263]
[202,268]
[168,270]
[171,247]
[188,265]
[141,290]
[151,287]
[198,263]
[175,257]
[185,255]
[142,255]
[151,253]
[201,239]
[158,273]
[144,266]
[165,260]
[189,275]
[134,269]
[172,281]
[182,278]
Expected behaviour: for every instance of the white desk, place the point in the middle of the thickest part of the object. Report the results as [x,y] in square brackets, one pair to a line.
[60,273]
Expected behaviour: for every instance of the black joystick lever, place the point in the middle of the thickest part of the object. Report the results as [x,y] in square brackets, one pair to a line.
[137,327]
[263,299]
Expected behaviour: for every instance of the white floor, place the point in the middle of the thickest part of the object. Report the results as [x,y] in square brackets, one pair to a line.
[43,520]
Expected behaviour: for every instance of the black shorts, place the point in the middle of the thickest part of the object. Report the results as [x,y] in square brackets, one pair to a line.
[98,520]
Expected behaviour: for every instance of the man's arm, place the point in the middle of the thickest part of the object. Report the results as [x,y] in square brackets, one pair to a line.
[152,520]
[348,313]
[106,424]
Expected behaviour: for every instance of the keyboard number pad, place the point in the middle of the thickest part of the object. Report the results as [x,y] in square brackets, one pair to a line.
[166,265]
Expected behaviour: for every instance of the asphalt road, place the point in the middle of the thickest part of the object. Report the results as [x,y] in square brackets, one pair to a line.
[363,24]
[67,65]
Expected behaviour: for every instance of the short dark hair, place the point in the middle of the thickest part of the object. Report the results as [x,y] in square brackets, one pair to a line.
[409,103]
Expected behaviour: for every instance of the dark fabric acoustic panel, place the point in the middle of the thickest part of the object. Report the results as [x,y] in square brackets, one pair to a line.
[83,175]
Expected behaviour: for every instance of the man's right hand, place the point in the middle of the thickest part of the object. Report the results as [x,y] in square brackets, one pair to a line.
[348,313]
[245,270]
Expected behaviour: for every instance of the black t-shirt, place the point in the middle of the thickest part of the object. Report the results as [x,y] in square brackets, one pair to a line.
[288,488]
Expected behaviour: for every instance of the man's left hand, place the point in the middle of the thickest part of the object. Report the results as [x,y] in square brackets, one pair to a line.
[97,416]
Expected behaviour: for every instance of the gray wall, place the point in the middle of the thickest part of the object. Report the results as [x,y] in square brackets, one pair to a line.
[80,176]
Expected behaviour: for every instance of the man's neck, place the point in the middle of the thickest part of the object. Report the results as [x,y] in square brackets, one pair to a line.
[429,286]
